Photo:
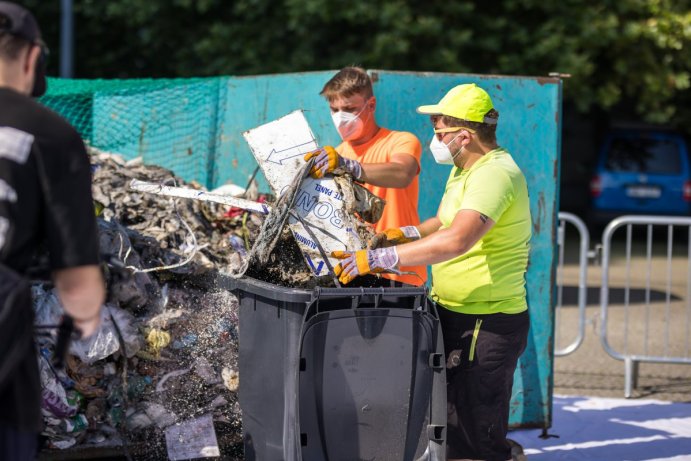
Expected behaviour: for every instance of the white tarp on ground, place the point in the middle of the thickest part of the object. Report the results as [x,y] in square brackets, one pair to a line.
[279,148]
[592,428]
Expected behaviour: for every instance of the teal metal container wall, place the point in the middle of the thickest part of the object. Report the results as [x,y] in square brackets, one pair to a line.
[194,127]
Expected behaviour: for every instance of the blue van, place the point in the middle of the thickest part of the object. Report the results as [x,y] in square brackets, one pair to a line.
[641,172]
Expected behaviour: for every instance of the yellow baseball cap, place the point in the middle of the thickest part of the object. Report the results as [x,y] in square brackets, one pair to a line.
[466,102]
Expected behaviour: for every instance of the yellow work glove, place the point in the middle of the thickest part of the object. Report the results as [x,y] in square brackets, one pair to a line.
[394,236]
[327,160]
[363,262]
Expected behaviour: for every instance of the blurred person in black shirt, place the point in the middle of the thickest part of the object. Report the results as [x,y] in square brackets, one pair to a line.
[45,204]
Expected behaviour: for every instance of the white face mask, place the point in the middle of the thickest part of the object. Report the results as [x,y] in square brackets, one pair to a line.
[349,125]
[440,151]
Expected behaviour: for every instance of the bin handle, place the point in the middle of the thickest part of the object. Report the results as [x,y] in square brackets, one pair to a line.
[377,300]
[436,432]
[355,300]
[436,360]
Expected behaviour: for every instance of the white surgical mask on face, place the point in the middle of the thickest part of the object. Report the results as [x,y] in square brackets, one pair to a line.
[440,151]
[348,124]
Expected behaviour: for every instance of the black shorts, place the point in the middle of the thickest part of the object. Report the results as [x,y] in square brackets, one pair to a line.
[481,356]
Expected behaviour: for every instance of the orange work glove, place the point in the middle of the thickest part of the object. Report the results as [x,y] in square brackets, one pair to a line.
[394,236]
[363,262]
[327,160]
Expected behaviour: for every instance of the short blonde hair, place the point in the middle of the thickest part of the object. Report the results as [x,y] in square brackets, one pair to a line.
[347,82]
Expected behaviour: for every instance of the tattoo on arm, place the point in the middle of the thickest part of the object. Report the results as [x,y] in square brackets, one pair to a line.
[483,218]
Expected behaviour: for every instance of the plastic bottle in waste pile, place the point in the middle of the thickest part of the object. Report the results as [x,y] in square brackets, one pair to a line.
[75,399]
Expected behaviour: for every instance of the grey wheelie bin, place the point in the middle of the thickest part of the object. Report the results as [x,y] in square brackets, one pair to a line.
[340,373]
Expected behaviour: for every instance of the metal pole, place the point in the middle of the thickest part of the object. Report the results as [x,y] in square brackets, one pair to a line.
[66,39]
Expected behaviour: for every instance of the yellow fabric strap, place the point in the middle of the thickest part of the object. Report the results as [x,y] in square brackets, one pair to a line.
[471,355]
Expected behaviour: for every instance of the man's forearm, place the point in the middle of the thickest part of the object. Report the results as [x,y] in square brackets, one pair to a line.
[392,175]
[429,226]
[467,228]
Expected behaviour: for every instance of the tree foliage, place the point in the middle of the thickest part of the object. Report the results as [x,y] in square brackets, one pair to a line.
[627,53]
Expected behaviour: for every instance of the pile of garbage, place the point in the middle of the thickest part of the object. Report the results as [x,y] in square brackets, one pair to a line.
[168,349]
[167,352]
[166,230]
[171,361]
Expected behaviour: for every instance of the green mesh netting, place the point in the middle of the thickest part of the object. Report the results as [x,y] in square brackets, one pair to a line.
[172,123]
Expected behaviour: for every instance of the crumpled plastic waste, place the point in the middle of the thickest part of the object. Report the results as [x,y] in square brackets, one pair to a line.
[47,311]
[130,292]
[63,443]
[87,379]
[161,383]
[54,400]
[138,420]
[360,200]
[105,342]
[159,415]
[165,319]
[157,340]
[231,379]
[204,370]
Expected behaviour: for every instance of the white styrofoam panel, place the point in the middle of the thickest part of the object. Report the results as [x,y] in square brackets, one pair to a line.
[279,147]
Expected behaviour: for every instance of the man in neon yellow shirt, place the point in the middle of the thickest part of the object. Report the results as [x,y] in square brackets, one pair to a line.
[478,248]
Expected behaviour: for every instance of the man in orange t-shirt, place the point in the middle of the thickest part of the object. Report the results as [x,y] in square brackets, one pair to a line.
[387,162]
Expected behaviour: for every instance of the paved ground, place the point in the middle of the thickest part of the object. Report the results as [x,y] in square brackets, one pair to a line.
[605,429]
[591,418]
[591,372]
[657,297]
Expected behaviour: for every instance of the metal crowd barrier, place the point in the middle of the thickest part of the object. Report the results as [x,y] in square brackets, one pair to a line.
[650,306]
[584,242]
